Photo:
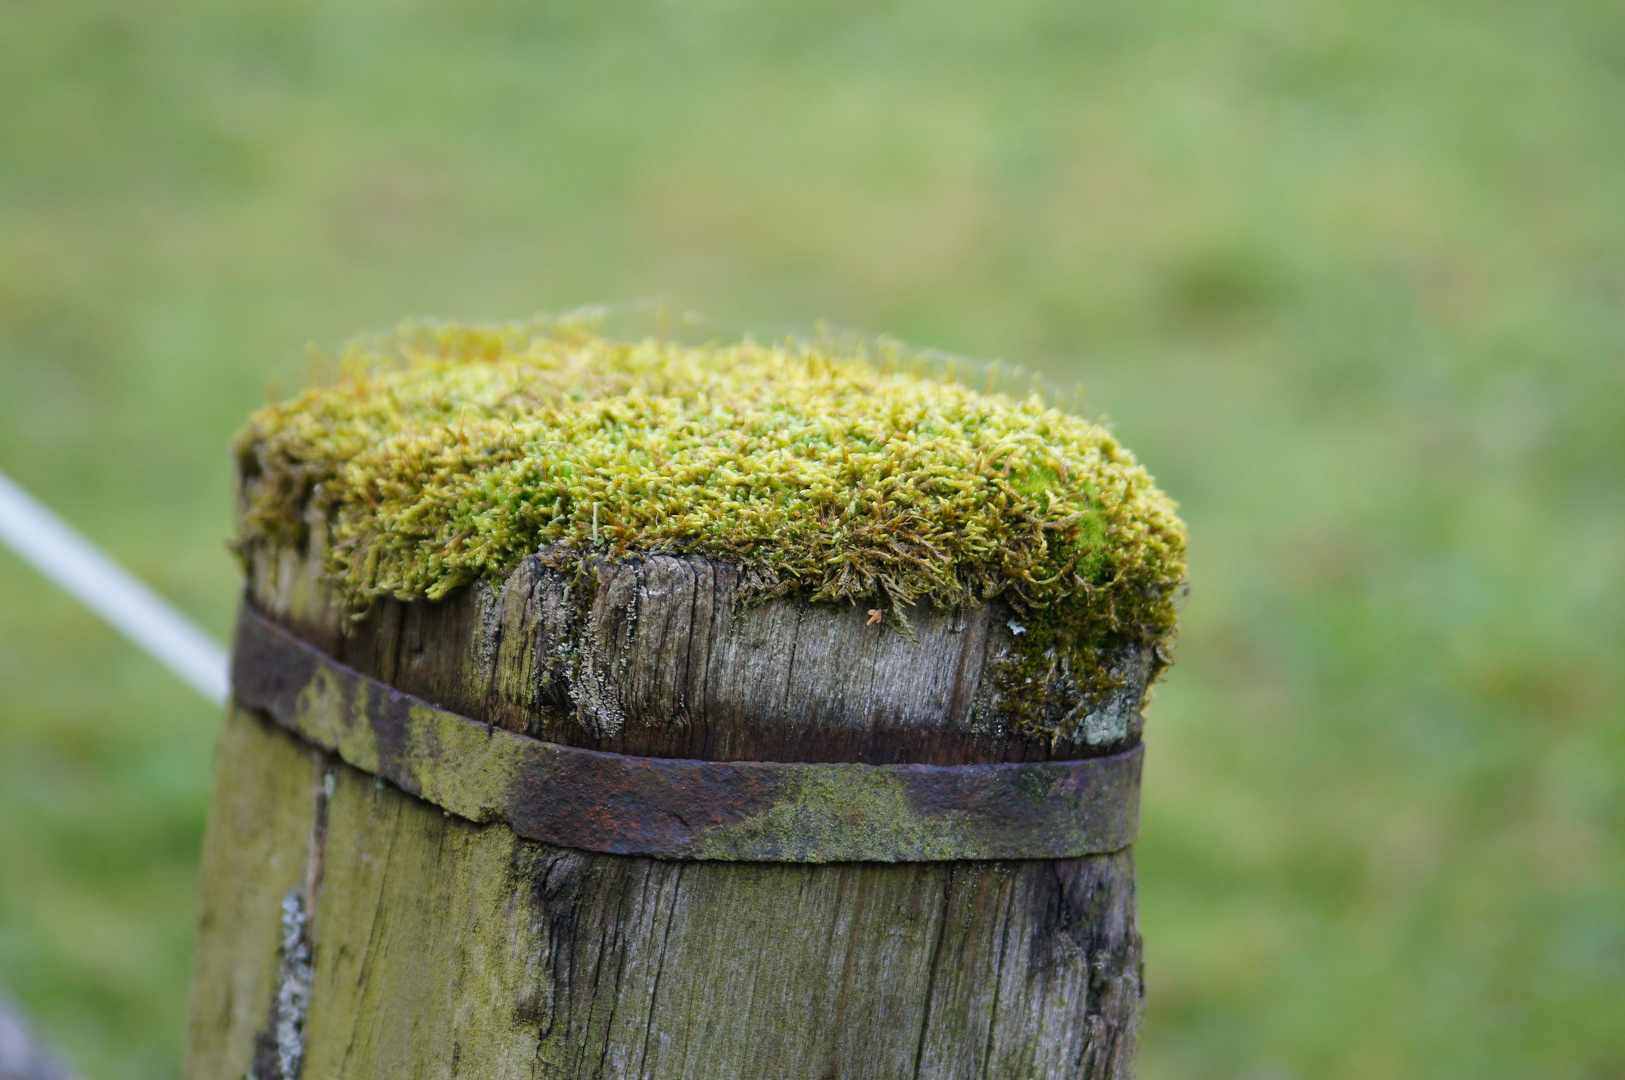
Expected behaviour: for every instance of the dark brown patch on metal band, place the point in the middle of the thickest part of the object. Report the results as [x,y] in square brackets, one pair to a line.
[752,811]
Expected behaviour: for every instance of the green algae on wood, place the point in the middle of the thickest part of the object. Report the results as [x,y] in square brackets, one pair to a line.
[441,945]
[449,948]
[448,453]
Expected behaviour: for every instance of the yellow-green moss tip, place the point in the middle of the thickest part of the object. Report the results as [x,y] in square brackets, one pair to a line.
[449,453]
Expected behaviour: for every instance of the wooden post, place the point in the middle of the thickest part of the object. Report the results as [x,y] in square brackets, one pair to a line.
[348,929]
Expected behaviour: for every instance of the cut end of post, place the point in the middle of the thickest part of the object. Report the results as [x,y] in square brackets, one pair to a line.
[449,453]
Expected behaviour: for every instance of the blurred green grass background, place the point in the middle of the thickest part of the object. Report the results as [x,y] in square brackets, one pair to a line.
[1349,277]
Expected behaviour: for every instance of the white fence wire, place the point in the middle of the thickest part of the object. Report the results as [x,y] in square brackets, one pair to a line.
[54,549]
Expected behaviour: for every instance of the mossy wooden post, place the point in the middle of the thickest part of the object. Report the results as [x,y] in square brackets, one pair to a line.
[350,929]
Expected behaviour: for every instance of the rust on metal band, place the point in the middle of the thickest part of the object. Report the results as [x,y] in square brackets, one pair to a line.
[671,808]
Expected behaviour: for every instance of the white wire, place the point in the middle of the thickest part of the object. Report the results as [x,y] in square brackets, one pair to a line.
[61,554]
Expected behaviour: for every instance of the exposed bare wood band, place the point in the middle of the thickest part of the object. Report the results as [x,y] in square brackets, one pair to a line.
[749,811]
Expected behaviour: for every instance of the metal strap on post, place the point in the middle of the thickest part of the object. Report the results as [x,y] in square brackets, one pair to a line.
[748,811]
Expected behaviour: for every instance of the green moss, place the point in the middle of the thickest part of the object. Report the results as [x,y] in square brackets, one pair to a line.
[446,453]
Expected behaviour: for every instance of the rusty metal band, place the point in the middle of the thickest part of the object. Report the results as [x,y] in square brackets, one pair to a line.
[670,808]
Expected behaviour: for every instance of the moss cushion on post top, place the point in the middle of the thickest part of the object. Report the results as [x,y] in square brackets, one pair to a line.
[443,453]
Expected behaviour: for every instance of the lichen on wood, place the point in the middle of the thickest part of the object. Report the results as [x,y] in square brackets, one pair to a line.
[445,948]
[441,946]
[444,454]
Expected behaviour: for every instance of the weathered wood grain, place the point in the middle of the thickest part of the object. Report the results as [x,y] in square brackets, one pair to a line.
[259,847]
[444,948]
[658,656]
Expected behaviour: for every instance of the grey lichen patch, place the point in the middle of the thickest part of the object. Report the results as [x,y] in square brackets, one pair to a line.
[1107,719]
[448,454]
[279,1049]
